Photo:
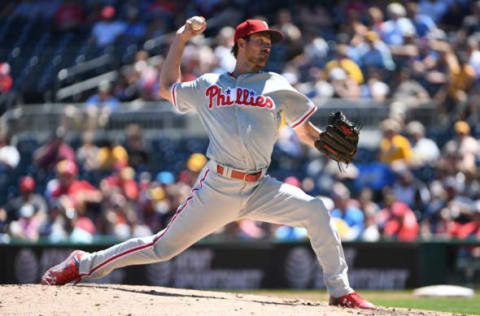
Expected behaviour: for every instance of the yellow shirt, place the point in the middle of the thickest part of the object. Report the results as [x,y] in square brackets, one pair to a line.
[396,149]
[108,157]
[461,79]
[350,67]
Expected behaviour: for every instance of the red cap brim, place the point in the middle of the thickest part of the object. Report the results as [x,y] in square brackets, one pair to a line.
[275,36]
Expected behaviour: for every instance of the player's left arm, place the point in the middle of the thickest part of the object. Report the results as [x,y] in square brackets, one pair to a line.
[308,133]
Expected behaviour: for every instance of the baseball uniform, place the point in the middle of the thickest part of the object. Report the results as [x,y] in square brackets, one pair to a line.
[241,115]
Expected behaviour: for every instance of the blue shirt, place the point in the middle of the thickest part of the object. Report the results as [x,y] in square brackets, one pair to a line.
[111,102]
[353,217]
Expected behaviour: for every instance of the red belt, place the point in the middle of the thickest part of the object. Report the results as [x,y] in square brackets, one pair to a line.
[250,177]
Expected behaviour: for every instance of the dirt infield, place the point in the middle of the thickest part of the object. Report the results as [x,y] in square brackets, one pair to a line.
[110,299]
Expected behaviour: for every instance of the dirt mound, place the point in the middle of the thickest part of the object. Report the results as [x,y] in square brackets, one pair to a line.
[111,299]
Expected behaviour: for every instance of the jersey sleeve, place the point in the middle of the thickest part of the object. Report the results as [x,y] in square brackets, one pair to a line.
[296,107]
[185,95]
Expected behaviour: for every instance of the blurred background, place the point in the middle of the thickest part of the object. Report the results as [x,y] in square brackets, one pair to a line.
[90,154]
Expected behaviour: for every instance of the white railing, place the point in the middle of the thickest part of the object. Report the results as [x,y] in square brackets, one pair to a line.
[155,117]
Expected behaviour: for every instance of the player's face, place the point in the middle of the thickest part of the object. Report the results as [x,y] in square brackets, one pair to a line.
[257,49]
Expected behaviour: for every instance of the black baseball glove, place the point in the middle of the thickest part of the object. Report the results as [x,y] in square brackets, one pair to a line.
[340,140]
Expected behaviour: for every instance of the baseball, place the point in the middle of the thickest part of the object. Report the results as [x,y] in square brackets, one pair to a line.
[197,22]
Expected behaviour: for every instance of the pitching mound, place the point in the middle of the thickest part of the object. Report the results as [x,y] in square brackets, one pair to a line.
[95,299]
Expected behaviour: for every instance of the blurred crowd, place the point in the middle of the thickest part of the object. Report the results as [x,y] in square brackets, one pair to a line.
[417,184]
[411,189]
[407,53]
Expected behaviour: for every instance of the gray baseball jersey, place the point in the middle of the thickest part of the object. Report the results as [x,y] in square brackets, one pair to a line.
[242,115]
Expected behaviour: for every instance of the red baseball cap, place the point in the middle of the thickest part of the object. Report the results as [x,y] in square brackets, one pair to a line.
[27,184]
[108,12]
[250,27]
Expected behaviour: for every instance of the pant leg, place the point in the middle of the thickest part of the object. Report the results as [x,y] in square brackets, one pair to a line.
[281,203]
[205,210]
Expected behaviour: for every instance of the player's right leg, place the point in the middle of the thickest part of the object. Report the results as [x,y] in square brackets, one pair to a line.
[211,205]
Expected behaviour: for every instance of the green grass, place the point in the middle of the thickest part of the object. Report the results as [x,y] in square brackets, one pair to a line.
[469,306]
[404,299]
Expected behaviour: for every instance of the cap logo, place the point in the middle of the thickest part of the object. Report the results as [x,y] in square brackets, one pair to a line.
[266,25]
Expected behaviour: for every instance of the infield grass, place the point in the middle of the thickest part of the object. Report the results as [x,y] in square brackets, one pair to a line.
[404,299]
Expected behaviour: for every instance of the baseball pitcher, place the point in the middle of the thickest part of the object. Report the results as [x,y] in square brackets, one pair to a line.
[241,113]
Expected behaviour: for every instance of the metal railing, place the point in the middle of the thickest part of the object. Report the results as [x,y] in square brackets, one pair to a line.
[151,45]
[155,116]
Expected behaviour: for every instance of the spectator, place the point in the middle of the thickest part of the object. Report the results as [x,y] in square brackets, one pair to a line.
[375,88]
[111,155]
[370,209]
[120,220]
[315,50]
[87,153]
[462,79]
[352,25]
[28,212]
[464,146]
[423,61]
[27,227]
[424,150]
[138,153]
[343,62]
[345,210]
[437,73]
[55,150]
[6,82]
[473,53]
[150,83]
[69,16]
[67,225]
[447,205]
[9,155]
[394,147]
[423,23]
[409,190]
[471,229]
[121,182]
[343,86]
[408,91]
[135,29]
[374,53]
[397,220]
[288,142]
[127,86]
[394,30]
[7,96]
[405,54]
[105,32]
[198,58]
[100,105]
[375,19]
[70,192]
[293,35]
[154,204]
[226,61]
[195,164]
[136,81]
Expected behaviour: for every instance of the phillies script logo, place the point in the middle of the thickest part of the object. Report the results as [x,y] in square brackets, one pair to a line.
[219,97]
